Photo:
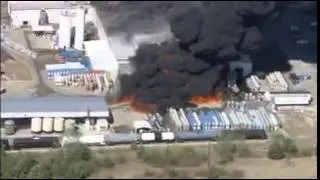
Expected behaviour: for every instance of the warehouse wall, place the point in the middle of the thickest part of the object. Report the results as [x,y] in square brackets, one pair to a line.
[93,16]
[32,16]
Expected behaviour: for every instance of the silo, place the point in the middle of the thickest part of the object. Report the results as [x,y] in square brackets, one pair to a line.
[69,123]
[36,125]
[58,125]
[9,127]
[47,125]
[78,42]
[65,29]
[44,18]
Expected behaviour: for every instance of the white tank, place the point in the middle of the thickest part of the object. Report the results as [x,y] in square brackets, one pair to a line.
[167,136]
[148,137]
[47,125]
[78,41]
[65,29]
[36,125]
[58,125]
[9,127]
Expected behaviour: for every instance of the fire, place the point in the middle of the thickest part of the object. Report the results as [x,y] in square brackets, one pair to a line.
[124,100]
[213,99]
[136,105]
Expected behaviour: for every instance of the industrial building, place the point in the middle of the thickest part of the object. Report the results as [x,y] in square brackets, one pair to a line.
[72,107]
[289,98]
[244,66]
[101,57]
[28,12]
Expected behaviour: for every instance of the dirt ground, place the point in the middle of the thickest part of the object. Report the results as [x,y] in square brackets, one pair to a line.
[15,70]
[131,168]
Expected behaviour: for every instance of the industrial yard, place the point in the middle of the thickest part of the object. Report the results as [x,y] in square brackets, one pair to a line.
[55,82]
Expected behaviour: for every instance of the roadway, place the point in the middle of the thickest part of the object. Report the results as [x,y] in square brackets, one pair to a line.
[127,146]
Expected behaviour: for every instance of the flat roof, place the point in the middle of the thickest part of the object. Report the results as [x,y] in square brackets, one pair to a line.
[122,48]
[37,5]
[101,57]
[61,106]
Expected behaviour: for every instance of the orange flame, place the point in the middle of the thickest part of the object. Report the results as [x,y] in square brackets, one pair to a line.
[136,105]
[212,99]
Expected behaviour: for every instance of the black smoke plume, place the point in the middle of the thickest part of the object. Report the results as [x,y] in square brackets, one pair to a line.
[207,36]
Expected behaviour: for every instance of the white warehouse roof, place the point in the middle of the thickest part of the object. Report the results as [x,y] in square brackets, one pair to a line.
[62,106]
[36,5]
[69,65]
[44,28]
[102,57]
[122,48]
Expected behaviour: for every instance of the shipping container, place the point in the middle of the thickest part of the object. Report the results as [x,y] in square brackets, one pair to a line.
[275,121]
[225,119]
[192,122]
[243,123]
[198,135]
[214,121]
[217,119]
[197,120]
[120,138]
[167,136]
[203,120]
[209,120]
[265,119]
[174,119]
[234,123]
[185,119]
[147,137]
[266,116]
[223,123]
[183,123]
[35,142]
[92,140]
[252,117]
[262,119]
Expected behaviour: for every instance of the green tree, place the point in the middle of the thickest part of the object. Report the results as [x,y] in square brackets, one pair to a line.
[23,166]
[77,152]
[79,170]
[276,151]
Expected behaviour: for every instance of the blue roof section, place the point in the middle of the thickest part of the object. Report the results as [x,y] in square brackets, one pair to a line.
[53,104]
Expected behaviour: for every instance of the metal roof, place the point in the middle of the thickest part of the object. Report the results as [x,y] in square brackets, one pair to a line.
[101,56]
[36,5]
[122,48]
[62,106]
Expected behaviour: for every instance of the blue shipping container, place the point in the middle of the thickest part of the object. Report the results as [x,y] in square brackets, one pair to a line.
[190,118]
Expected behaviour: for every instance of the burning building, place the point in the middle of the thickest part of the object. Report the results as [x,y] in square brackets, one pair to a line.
[209,37]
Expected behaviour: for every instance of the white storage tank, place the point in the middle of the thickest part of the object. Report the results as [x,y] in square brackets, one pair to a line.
[36,125]
[147,137]
[58,125]
[167,136]
[47,125]
[9,127]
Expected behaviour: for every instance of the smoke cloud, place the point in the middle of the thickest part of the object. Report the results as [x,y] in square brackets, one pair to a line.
[207,36]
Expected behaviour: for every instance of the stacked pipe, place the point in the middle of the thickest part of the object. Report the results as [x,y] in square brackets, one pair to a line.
[277,81]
